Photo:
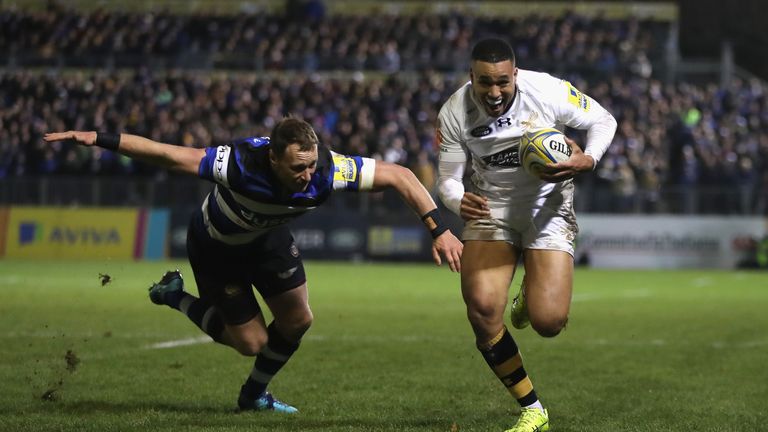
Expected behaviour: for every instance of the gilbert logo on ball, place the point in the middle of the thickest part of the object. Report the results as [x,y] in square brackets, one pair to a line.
[541,147]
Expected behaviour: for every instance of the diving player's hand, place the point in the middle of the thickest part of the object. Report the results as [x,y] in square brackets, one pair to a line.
[577,163]
[474,207]
[83,138]
[448,245]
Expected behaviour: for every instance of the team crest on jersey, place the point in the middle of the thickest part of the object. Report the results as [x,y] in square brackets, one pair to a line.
[294,250]
[507,158]
[480,131]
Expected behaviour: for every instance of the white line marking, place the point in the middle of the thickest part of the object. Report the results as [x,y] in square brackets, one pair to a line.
[180,342]
[702,281]
[419,338]
[585,296]
[628,294]
[10,280]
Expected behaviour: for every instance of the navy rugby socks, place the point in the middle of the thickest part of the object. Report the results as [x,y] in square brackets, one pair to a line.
[202,313]
[269,361]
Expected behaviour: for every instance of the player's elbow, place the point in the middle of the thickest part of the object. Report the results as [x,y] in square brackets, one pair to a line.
[446,187]
[450,191]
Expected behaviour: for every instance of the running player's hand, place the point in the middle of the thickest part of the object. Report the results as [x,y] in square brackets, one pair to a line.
[577,163]
[84,138]
[447,245]
[474,207]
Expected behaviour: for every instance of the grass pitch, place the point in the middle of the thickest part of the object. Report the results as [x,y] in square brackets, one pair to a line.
[390,350]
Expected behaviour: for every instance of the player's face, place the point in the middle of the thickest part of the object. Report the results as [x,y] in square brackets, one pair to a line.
[295,167]
[494,85]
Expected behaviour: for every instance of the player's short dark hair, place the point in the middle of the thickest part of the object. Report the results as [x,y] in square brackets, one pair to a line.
[493,50]
[292,130]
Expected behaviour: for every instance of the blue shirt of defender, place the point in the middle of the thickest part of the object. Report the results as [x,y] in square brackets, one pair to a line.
[249,200]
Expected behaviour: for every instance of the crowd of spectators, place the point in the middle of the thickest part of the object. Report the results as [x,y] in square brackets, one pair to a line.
[671,137]
[684,138]
[259,40]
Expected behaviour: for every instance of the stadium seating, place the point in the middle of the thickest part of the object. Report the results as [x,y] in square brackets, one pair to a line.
[672,139]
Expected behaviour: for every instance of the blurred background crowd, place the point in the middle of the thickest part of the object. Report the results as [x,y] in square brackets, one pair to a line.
[371,85]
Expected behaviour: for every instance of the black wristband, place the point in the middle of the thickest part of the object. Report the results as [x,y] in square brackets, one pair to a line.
[108,141]
[434,223]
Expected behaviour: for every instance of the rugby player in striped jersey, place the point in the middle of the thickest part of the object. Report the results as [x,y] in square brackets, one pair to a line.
[238,238]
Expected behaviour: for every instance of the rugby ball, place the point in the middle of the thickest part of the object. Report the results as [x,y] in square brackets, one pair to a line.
[541,147]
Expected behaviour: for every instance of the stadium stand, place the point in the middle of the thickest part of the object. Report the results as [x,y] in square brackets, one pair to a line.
[198,79]
[59,36]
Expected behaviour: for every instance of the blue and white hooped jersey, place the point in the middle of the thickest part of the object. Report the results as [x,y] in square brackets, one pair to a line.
[248,199]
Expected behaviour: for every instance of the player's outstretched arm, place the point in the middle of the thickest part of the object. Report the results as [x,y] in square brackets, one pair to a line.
[177,158]
[416,196]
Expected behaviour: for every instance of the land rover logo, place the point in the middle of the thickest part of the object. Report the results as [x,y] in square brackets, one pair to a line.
[480,131]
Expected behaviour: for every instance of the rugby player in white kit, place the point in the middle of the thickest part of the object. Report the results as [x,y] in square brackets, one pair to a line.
[508,212]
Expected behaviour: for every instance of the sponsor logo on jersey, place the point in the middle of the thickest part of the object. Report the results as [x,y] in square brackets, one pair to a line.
[577,98]
[507,158]
[220,165]
[345,169]
[480,131]
[288,273]
[264,220]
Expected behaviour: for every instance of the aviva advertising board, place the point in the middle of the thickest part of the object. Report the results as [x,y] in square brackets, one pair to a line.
[55,232]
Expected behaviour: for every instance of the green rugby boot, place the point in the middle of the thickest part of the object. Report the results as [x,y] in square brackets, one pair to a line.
[519,309]
[531,420]
[266,402]
[170,287]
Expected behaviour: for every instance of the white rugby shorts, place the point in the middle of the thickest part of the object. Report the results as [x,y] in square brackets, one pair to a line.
[547,222]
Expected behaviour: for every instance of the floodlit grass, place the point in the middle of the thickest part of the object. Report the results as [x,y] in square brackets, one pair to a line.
[390,350]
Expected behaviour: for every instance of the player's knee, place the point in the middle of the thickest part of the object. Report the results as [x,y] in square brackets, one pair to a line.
[251,345]
[482,315]
[550,326]
[478,314]
[303,323]
[298,324]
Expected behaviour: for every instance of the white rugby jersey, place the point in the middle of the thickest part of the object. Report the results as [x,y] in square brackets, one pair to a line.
[492,143]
